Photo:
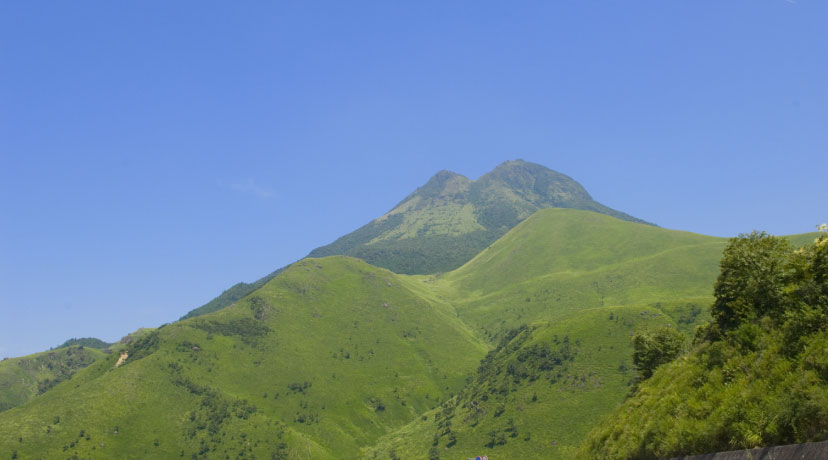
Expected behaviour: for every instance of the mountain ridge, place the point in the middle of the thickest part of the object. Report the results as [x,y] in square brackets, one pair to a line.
[446,222]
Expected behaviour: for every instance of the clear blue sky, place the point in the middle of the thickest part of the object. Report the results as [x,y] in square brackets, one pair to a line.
[154,153]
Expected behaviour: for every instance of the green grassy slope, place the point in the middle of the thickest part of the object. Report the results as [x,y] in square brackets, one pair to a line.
[446,222]
[802,239]
[22,379]
[326,358]
[561,261]
[536,395]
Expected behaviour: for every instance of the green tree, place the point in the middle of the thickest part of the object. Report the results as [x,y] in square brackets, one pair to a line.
[654,348]
[807,312]
[754,272]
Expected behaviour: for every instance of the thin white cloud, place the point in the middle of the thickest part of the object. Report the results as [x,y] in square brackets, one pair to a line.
[250,187]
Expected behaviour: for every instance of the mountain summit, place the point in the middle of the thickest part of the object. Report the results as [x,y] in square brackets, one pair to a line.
[446,222]
[451,218]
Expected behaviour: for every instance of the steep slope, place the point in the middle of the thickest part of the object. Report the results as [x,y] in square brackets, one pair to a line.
[24,378]
[323,359]
[451,218]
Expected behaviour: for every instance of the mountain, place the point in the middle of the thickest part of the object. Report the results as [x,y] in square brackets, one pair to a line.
[451,218]
[447,221]
[519,353]
[335,358]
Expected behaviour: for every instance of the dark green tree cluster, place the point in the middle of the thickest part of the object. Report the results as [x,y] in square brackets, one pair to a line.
[756,269]
[248,329]
[91,342]
[143,347]
[654,348]
[767,285]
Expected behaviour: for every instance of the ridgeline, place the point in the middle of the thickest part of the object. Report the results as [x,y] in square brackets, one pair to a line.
[446,222]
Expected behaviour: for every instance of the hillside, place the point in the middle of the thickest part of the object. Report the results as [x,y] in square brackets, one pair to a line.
[24,378]
[451,218]
[585,283]
[536,395]
[231,295]
[446,222]
[757,374]
[561,261]
[326,357]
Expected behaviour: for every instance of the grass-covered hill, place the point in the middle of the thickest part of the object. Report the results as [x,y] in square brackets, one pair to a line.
[562,261]
[757,375]
[22,379]
[451,218]
[446,222]
[324,359]
[536,395]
